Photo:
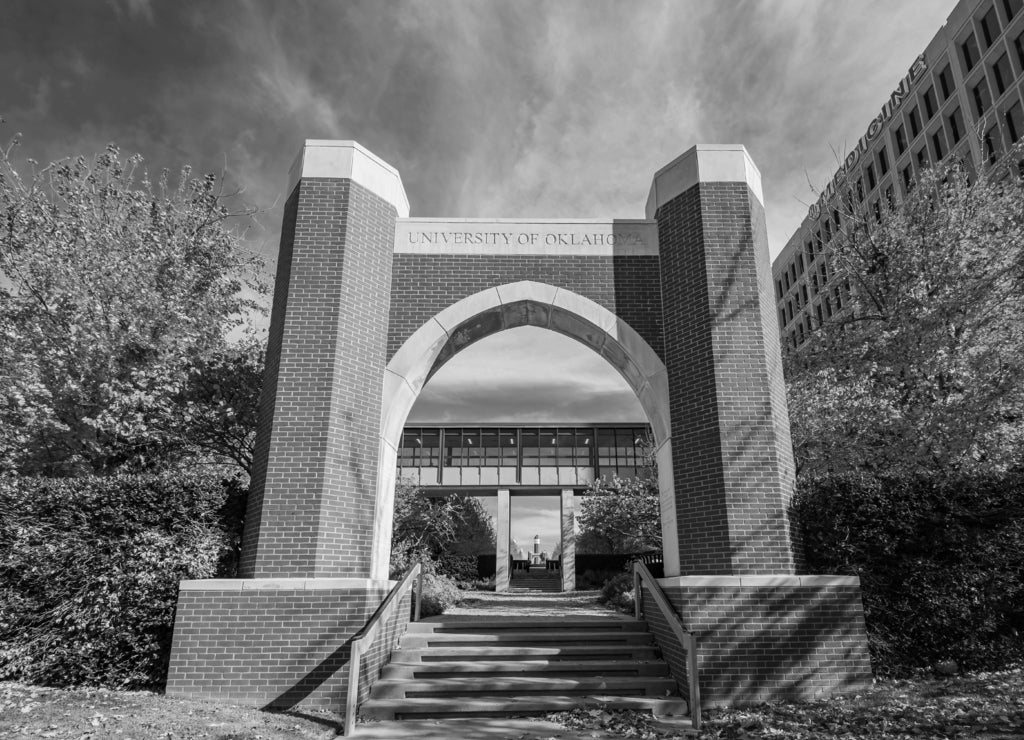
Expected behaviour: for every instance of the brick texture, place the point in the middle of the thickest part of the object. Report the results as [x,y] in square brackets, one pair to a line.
[423,285]
[766,643]
[312,501]
[276,648]
[732,460]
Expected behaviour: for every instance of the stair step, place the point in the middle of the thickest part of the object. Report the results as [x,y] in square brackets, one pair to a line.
[446,653]
[456,668]
[532,625]
[519,686]
[503,706]
[427,639]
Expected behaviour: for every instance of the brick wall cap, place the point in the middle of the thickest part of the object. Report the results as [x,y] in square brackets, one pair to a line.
[758,581]
[348,160]
[284,584]
[703,163]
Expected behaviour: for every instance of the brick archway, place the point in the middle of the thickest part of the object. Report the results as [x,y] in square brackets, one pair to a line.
[368,301]
[523,303]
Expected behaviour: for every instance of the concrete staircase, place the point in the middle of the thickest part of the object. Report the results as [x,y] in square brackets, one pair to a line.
[501,668]
[537,578]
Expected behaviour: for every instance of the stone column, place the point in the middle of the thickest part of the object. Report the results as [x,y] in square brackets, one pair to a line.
[731,455]
[502,572]
[568,540]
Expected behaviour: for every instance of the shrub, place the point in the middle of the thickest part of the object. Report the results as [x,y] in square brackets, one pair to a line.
[439,594]
[941,563]
[592,579]
[618,592]
[461,568]
[91,566]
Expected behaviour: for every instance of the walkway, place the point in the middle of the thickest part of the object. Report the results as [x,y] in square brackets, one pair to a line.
[489,605]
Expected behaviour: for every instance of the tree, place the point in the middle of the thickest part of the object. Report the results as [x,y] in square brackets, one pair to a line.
[117,295]
[620,516]
[922,371]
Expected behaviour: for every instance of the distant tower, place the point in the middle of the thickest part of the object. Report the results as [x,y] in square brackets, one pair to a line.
[536,544]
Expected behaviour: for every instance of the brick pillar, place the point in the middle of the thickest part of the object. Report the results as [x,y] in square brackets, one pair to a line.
[765,633]
[312,499]
[732,460]
[278,636]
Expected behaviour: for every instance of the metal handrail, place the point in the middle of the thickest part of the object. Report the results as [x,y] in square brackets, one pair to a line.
[686,638]
[368,634]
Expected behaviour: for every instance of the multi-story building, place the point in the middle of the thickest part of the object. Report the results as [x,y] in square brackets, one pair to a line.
[962,97]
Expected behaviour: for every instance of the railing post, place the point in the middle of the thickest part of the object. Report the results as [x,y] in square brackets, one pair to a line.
[419,593]
[693,680]
[637,593]
[352,697]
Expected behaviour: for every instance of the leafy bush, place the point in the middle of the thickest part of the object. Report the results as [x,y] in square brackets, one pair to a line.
[461,568]
[439,594]
[618,592]
[941,563]
[592,579]
[91,566]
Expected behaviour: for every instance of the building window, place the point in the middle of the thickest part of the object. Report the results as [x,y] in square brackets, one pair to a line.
[945,82]
[993,146]
[828,307]
[828,230]
[835,218]
[839,298]
[982,99]
[922,158]
[915,122]
[792,272]
[1012,7]
[1014,122]
[876,211]
[883,161]
[809,248]
[956,125]
[901,139]
[1018,44]
[817,310]
[889,198]
[969,51]
[871,177]
[789,311]
[989,27]
[930,104]
[799,264]
[1002,73]
[908,178]
[803,292]
[860,189]
[778,289]
[938,145]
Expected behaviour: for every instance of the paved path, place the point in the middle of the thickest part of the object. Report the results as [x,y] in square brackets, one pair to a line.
[483,605]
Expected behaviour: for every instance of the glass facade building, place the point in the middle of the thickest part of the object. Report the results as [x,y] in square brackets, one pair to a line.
[564,457]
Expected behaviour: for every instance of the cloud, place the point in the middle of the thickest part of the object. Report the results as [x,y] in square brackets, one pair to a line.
[526,375]
[489,108]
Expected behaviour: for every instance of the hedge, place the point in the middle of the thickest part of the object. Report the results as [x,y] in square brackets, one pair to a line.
[941,563]
[90,567]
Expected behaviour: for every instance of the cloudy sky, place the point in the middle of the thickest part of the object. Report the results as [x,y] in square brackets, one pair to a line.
[487,108]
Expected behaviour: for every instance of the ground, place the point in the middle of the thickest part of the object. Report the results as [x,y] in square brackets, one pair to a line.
[982,705]
[988,706]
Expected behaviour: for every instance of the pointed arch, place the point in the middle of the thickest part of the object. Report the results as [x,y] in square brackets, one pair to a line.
[524,303]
